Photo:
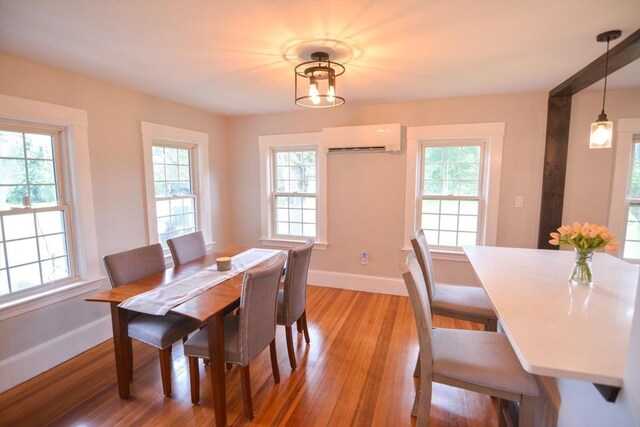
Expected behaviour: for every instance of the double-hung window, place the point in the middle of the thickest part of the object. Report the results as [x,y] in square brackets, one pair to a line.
[176,166]
[294,192]
[631,245]
[624,210]
[34,213]
[452,185]
[293,189]
[175,196]
[451,192]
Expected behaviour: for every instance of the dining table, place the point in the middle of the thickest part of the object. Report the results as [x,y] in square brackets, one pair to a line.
[208,308]
[557,329]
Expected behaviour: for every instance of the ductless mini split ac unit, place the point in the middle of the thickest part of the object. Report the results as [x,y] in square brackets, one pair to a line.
[363,138]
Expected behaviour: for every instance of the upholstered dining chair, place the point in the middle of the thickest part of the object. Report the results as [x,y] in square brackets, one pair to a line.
[479,361]
[187,248]
[247,333]
[292,298]
[158,331]
[469,303]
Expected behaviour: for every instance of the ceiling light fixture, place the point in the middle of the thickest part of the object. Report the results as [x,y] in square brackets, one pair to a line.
[316,82]
[602,129]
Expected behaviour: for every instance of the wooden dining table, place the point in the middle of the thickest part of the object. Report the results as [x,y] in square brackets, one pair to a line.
[207,308]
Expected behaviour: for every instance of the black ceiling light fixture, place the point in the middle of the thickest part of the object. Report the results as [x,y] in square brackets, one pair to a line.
[315,82]
[602,129]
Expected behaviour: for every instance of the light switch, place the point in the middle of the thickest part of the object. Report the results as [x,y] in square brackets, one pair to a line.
[519,202]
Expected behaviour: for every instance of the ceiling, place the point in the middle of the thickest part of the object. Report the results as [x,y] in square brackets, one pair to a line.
[236,57]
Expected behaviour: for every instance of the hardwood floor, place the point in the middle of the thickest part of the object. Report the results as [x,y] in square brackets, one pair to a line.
[356,371]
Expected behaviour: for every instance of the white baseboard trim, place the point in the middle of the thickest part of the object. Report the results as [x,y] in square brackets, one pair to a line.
[23,366]
[357,282]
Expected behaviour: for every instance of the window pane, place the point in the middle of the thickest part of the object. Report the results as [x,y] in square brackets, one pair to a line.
[295,229]
[50,222]
[43,195]
[309,230]
[431,221]
[309,216]
[11,144]
[468,207]
[468,223]
[309,203]
[55,269]
[183,157]
[11,196]
[24,277]
[18,226]
[188,204]
[634,179]
[13,171]
[295,215]
[631,248]
[3,263]
[282,228]
[4,282]
[448,238]
[39,146]
[158,173]
[282,215]
[52,246]
[430,206]
[22,251]
[449,206]
[162,208]
[448,222]
[467,239]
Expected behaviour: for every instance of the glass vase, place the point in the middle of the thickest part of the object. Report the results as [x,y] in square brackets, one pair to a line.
[581,272]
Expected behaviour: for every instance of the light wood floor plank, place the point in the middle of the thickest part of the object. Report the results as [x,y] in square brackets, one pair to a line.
[358,371]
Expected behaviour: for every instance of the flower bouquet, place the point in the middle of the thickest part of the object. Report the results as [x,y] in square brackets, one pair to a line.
[585,239]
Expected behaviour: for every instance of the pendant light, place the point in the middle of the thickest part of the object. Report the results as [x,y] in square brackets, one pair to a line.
[602,129]
[315,82]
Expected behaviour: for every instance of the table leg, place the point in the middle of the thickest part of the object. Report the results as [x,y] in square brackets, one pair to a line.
[216,356]
[122,348]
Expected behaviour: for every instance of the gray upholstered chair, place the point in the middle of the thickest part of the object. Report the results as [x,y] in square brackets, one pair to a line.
[292,298]
[158,331]
[459,302]
[483,362]
[187,248]
[247,333]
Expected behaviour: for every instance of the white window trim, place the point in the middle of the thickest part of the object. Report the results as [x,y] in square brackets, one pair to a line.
[266,144]
[80,197]
[625,129]
[493,134]
[151,131]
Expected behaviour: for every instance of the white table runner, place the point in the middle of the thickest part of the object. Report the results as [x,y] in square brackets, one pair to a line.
[160,300]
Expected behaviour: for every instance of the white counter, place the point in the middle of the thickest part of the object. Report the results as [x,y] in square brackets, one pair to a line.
[556,329]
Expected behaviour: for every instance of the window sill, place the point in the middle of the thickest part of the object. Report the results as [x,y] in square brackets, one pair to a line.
[444,255]
[22,305]
[286,243]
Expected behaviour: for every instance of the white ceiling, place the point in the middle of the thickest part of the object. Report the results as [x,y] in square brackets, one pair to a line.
[228,57]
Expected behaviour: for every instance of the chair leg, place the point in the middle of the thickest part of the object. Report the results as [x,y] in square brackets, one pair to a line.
[165,370]
[416,370]
[194,378]
[292,353]
[527,411]
[129,349]
[491,325]
[423,398]
[274,362]
[245,379]
[228,366]
[299,325]
[303,320]
[501,406]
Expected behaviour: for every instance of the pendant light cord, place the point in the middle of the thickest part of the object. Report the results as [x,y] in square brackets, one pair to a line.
[606,72]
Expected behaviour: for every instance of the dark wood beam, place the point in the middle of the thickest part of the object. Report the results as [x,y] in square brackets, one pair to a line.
[555,164]
[557,140]
[622,54]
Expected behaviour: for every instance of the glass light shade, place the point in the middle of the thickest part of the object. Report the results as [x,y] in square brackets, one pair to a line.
[601,134]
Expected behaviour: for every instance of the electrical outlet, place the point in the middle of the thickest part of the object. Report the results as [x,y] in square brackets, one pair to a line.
[519,202]
[364,258]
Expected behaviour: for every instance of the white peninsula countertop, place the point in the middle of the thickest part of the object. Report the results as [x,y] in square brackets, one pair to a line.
[556,329]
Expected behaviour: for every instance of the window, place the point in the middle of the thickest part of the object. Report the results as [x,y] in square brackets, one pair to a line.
[624,212]
[176,163]
[293,189]
[631,247]
[452,185]
[451,193]
[295,193]
[174,192]
[33,211]
[48,246]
